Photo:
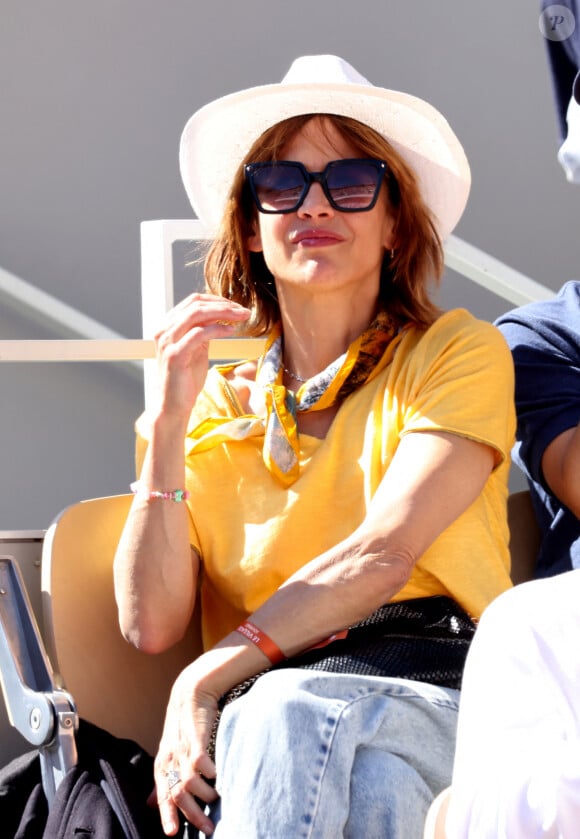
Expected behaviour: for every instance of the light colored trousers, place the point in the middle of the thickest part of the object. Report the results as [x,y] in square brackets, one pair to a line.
[310,755]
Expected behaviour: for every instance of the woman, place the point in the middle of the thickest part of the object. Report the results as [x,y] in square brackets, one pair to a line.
[361,461]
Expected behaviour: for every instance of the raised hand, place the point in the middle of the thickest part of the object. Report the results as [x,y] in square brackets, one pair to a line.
[182,346]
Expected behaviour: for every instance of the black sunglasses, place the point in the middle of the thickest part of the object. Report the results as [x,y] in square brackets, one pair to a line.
[351,185]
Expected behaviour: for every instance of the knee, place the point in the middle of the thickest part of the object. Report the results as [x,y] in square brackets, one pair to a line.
[390,792]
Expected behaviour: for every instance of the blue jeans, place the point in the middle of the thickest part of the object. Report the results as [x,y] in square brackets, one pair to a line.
[310,755]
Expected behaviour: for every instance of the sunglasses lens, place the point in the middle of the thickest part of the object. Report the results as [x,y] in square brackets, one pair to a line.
[350,185]
[353,184]
[278,187]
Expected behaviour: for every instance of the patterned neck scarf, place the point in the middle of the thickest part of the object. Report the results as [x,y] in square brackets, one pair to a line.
[281,446]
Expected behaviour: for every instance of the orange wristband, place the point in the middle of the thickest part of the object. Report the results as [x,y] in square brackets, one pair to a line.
[262,641]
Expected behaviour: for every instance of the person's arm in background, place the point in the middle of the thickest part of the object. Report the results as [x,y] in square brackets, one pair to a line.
[544,339]
[561,468]
[517,771]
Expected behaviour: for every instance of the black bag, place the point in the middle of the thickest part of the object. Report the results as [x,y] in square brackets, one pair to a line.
[425,640]
[108,788]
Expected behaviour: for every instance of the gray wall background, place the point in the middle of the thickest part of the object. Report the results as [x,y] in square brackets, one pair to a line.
[93,98]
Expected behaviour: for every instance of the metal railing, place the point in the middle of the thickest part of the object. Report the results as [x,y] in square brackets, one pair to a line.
[95,342]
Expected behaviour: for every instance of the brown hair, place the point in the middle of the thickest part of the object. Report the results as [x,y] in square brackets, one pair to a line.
[232,271]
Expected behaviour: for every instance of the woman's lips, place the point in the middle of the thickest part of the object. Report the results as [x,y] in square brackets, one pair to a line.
[315,238]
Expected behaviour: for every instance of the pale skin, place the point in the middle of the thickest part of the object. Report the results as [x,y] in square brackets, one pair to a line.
[326,266]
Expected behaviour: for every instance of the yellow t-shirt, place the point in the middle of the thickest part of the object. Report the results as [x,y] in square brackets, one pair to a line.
[252,533]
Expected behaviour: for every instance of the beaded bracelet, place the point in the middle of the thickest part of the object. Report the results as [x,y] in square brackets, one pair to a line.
[149,494]
[262,641]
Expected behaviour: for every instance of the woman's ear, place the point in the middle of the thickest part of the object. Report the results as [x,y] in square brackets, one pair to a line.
[254,241]
[389,238]
[388,228]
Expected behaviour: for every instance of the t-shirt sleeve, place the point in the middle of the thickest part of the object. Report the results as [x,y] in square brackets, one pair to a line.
[463,383]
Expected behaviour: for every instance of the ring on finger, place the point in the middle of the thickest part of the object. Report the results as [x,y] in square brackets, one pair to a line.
[172,778]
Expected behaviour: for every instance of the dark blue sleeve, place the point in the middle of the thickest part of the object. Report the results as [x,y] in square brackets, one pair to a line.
[545,342]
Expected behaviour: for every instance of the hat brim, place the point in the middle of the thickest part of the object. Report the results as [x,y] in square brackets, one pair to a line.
[216,139]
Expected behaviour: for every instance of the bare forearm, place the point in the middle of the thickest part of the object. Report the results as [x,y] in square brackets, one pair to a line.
[431,481]
[332,592]
[561,466]
[571,472]
[155,572]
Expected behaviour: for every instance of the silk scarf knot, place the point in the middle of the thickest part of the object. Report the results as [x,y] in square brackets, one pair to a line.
[281,444]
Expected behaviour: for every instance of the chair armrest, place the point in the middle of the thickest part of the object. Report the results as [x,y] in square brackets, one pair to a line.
[44,715]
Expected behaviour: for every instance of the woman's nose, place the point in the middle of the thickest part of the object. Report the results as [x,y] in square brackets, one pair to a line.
[315,203]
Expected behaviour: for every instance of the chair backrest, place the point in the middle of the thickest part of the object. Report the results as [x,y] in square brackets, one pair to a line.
[524,536]
[114,685]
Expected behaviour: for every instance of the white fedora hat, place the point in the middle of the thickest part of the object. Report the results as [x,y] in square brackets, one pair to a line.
[217,137]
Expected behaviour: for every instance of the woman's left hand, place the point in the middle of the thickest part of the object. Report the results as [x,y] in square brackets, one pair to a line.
[182,765]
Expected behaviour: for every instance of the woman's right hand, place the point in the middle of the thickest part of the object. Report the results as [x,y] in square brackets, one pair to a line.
[184,771]
[182,346]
